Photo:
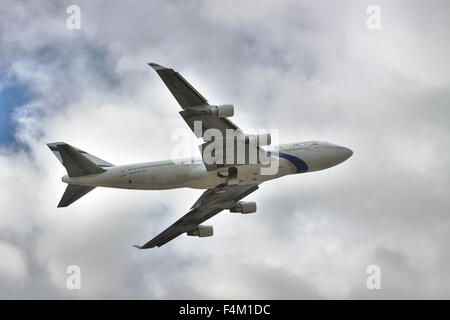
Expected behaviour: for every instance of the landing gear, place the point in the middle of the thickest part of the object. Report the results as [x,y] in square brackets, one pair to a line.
[230,175]
[232,172]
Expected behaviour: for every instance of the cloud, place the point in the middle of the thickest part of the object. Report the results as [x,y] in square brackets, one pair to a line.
[13,266]
[313,71]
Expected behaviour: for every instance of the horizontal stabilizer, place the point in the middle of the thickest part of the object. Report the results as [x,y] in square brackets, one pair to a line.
[73,193]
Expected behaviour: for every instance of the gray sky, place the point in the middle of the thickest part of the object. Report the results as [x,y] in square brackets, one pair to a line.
[311,69]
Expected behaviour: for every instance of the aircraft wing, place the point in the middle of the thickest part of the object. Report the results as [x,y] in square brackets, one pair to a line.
[195,108]
[190,99]
[210,203]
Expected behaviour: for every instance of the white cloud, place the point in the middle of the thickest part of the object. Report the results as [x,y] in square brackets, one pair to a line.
[13,268]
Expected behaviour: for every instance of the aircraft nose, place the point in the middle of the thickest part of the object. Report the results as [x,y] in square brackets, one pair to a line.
[347,153]
[342,154]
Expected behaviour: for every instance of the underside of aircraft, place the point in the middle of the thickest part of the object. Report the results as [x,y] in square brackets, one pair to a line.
[226,181]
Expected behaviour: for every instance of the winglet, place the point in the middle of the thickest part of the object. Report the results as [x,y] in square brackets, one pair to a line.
[136,246]
[156,66]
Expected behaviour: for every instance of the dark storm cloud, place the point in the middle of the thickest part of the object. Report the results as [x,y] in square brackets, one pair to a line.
[314,71]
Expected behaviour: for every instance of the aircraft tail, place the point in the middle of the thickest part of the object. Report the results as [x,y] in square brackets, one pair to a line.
[76,153]
[78,163]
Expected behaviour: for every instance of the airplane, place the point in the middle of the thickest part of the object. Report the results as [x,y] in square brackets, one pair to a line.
[226,184]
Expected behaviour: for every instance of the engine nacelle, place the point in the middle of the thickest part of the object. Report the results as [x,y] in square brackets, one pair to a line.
[223,111]
[263,139]
[201,231]
[244,207]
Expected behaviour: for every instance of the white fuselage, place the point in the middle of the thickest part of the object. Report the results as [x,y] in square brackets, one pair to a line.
[191,173]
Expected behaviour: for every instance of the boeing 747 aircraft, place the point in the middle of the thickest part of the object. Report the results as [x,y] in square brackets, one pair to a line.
[226,183]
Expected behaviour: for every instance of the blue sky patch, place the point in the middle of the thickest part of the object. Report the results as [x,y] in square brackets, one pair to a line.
[11,96]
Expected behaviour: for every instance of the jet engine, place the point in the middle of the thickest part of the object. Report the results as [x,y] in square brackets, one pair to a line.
[201,231]
[244,207]
[222,111]
[263,139]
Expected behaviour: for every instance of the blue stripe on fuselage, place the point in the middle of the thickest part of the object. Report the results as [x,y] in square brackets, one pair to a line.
[299,164]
